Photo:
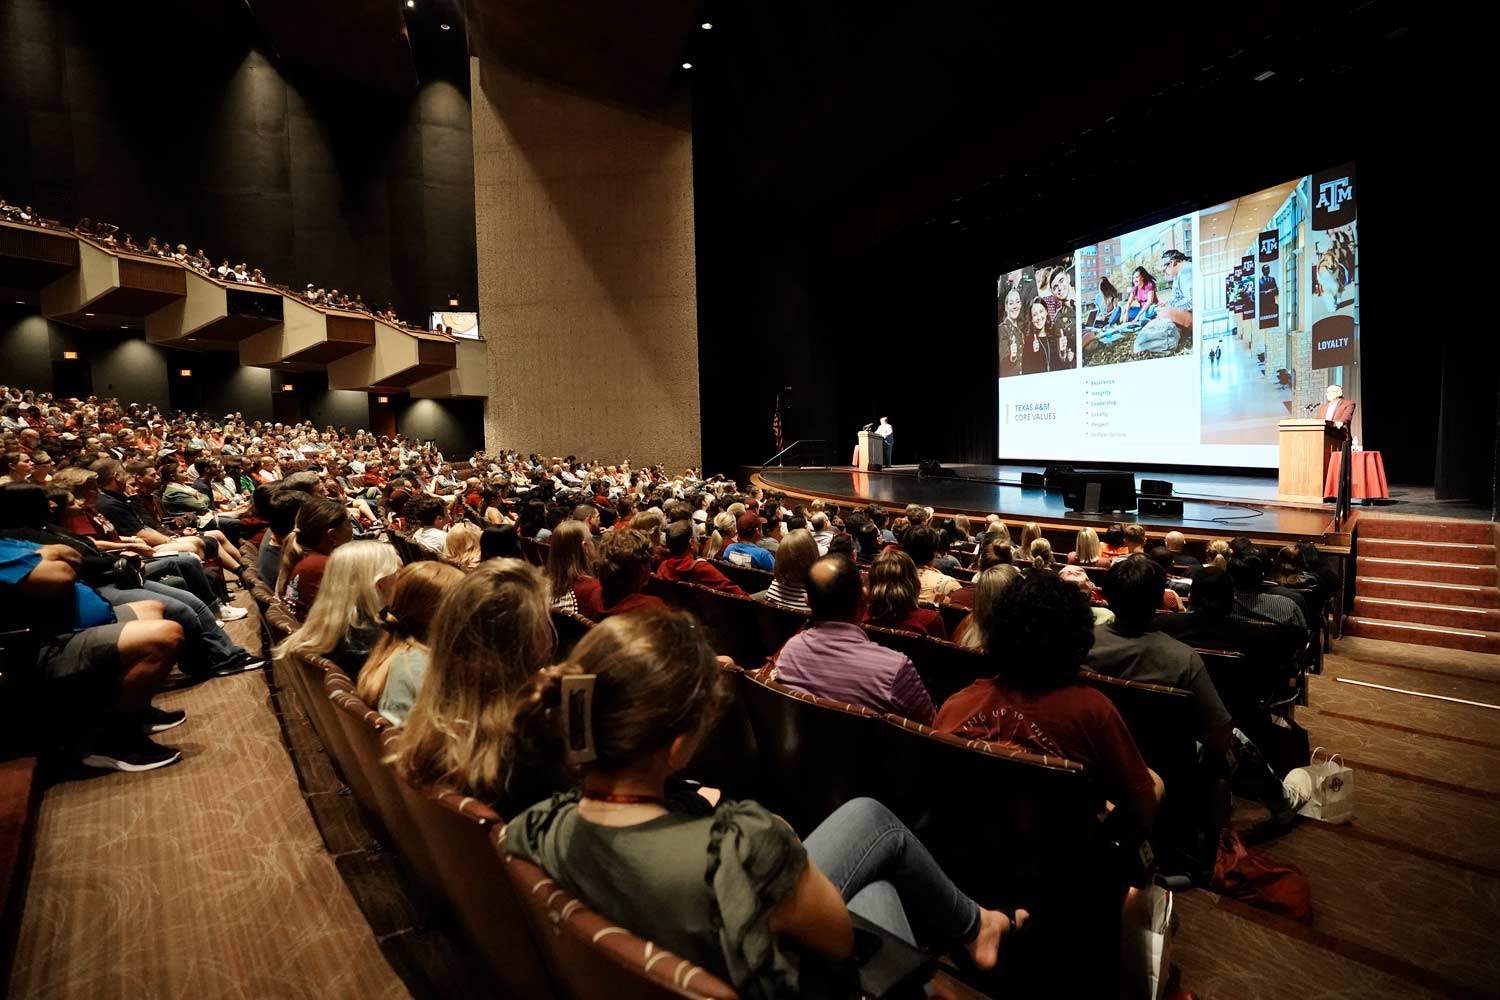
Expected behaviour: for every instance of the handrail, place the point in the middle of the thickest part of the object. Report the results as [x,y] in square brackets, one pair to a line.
[793,445]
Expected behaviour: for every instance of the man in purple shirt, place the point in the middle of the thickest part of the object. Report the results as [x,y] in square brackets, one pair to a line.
[836,660]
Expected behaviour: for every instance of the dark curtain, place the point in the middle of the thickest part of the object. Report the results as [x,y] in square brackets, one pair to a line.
[1467,422]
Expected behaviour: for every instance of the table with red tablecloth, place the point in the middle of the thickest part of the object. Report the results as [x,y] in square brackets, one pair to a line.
[1366,476]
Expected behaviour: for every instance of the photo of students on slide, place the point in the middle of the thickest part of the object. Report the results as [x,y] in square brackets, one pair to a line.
[1141,286]
[1038,327]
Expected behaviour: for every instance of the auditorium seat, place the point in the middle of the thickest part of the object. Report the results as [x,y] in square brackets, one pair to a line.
[456,830]
[1163,721]
[744,629]
[590,957]
[953,616]
[570,627]
[310,671]
[1014,828]
[20,801]
[364,729]
[815,754]
[728,758]
[533,551]
[747,578]
[409,551]
[945,668]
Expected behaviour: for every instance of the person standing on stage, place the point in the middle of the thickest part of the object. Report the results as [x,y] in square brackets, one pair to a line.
[1338,411]
[888,434]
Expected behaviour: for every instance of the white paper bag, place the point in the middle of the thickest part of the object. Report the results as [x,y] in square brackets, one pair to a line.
[1147,956]
[1327,788]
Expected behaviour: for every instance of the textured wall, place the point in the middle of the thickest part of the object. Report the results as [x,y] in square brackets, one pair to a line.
[587,281]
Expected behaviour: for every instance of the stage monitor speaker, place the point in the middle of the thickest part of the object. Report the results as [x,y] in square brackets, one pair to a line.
[1035,479]
[1113,490]
[1160,507]
[1156,488]
[1056,475]
[932,467]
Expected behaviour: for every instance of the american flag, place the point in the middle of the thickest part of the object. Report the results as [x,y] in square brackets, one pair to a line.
[776,423]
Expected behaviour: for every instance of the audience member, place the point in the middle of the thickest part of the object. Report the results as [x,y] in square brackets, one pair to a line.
[683,565]
[461,545]
[794,559]
[624,567]
[1186,565]
[1131,649]
[633,849]
[497,541]
[836,660]
[1037,700]
[393,673]
[490,635]
[570,569]
[892,597]
[920,542]
[1086,550]
[1251,598]
[343,623]
[321,526]
[746,549]
[988,585]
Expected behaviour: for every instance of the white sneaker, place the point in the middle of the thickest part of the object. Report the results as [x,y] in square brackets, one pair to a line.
[230,613]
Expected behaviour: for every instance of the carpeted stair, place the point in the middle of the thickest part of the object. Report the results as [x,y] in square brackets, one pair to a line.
[1427,580]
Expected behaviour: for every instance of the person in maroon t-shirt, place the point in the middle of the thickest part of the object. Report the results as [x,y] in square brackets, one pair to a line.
[1037,701]
[893,593]
[682,562]
[623,569]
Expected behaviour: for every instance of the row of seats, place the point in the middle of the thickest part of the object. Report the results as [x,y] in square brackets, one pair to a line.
[533,939]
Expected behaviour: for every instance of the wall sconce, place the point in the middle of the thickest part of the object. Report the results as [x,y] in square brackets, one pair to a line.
[185,372]
[70,355]
[288,387]
[382,399]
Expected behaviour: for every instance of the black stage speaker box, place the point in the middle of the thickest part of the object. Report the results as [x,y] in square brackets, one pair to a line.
[1160,507]
[1156,488]
[1033,479]
[1056,475]
[1096,491]
[932,467]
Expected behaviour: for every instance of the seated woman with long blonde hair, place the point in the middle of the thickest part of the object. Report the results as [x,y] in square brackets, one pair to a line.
[393,674]
[491,634]
[342,623]
[570,567]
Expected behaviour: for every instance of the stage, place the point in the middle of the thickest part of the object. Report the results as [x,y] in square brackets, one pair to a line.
[1215,505]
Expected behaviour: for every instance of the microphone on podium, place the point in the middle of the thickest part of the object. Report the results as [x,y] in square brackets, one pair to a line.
[1310,407]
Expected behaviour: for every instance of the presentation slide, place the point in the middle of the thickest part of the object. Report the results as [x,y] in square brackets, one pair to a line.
[1187,341]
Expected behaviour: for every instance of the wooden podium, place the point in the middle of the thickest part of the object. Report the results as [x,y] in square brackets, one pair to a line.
[1306,447]
[871,450]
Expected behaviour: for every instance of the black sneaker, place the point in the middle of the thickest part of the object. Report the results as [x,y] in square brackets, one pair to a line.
[125,753]
[239,665]
[158,720]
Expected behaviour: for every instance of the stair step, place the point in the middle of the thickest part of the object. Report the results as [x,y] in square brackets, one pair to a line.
[1435,572]
[1436,529]
[1423,613]
[1443,552]
[1473,640]
[1427,592]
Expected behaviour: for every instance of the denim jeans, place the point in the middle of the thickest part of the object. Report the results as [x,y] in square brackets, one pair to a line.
[885,874]
[190,570]
[205,644]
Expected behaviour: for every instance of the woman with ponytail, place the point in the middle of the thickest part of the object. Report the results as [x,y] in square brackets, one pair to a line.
[393,674]
[322,525]
[491,633]
[727,886]
[1041,554]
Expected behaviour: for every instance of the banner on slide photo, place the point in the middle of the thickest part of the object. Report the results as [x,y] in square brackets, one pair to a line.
[1268,291]
[1335,268]
[1247,286]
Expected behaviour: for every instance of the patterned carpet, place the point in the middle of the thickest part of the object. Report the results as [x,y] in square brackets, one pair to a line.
[210,879]
[205,879]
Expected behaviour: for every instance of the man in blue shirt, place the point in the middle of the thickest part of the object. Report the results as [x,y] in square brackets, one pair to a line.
[747,551]
[92,655]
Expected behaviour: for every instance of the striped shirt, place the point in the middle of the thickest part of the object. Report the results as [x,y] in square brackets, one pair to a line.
[788,595]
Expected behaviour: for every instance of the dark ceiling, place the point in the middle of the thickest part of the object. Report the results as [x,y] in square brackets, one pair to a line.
[363,42]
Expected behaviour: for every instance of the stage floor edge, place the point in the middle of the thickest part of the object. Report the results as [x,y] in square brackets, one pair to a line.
[1214,505]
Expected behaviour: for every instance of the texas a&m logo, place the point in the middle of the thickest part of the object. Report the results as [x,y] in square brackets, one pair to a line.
[1332,194]
[1268,246]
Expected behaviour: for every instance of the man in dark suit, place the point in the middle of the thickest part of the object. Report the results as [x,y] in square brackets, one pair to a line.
[1338,411]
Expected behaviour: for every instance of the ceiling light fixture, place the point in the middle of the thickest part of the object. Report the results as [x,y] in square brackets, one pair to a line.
[411,3]
[88,314]
[382,399]
[446,27]
[707,26]
[687,65]
[1263,77]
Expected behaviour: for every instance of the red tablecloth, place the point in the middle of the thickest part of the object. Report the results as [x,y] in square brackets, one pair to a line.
[1366,476]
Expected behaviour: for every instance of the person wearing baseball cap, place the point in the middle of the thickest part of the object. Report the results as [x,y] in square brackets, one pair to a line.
[746,550]
[1173,324]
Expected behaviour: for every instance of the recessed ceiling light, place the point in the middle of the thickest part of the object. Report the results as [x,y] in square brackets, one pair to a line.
[411,3]
[88,314]
[687,65]
[707,26]
[446,27]
[124,326]
[19,302]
